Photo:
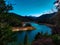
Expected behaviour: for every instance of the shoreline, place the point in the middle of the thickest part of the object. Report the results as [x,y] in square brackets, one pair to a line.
[29,28]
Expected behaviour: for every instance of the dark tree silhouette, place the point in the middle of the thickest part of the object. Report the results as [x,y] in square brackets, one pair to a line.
[4,8]
[6,34]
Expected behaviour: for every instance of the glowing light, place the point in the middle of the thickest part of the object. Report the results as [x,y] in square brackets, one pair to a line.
[36,15]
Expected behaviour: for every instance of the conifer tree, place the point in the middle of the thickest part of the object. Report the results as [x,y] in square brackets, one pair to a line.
[6,34]
[5,7]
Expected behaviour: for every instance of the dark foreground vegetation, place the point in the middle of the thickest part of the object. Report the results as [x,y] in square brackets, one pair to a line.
[46,39]
[9,20]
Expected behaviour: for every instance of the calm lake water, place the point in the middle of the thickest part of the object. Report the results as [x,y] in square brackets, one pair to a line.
[32,34]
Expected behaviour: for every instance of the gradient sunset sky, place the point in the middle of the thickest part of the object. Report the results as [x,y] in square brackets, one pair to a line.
[32,7]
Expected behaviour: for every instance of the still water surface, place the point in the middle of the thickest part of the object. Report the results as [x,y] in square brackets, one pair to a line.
[32,34]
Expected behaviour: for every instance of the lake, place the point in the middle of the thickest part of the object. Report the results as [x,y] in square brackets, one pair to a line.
[32,34]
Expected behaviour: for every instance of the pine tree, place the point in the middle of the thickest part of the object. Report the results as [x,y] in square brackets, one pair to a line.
[6,34]
[5,7]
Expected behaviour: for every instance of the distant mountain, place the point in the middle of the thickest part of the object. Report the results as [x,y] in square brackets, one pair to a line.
[45,18]
[31,18]
[11,19]
[21,18]
[15,19]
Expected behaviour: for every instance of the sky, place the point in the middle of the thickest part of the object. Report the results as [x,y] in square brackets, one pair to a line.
[32,7]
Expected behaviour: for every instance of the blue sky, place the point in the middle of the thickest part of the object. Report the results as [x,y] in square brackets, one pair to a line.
[32,7]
